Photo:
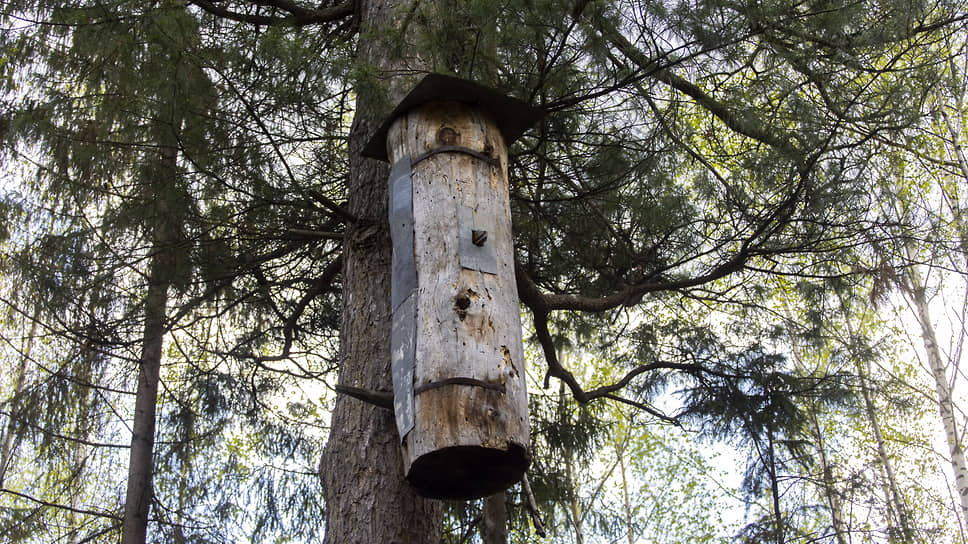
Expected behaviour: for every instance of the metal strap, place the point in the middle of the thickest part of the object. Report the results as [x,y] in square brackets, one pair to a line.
[460,381]
[456,149]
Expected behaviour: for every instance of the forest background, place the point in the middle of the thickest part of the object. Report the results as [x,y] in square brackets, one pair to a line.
[739,242]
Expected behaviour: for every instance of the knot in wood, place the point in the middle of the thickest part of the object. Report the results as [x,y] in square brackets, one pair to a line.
[461,303]
[448,136]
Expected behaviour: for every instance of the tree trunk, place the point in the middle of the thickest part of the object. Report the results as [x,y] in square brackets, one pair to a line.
[778,523]
[367,498]
[892,493]
[830,491]
[141,463]
[137,502]
[494,525]
[7,447]
[827,481]
[85,373]
[916,291]
[626,504]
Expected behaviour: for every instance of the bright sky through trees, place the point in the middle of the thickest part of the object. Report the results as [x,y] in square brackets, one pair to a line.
[739,237]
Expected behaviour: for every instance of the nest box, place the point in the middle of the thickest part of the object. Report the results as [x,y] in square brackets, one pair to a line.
[457,356]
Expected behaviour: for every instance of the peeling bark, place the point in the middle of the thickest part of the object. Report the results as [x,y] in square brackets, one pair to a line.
[915,290]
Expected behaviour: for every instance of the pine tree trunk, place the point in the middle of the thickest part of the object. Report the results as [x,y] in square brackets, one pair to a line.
[494,528]
[778,523]
[916,292]
[137,502]
[7,447]
[141,464]
[85,376]
[367,497]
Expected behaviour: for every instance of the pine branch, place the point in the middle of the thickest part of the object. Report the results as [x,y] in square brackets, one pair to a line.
[61,506]
[27,423]
[298,15]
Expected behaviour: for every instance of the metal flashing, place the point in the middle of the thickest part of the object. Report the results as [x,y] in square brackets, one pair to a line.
[403,348]
[404,271]
[403,286]
[471,227]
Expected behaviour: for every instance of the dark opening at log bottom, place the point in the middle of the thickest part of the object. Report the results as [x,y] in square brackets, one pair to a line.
[467,472]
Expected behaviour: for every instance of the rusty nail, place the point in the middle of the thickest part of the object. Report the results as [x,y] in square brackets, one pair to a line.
[478,237]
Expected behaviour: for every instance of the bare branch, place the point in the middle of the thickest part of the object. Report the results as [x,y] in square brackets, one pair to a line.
[381,399]
[298,15]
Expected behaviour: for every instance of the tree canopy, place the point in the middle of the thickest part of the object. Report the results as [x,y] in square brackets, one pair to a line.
[717,224]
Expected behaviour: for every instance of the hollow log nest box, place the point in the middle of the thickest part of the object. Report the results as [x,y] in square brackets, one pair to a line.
[457,357]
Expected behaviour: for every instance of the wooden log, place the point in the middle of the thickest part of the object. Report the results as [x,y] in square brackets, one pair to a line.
[471,433]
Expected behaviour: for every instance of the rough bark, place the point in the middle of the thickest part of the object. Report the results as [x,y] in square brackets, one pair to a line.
[367,498]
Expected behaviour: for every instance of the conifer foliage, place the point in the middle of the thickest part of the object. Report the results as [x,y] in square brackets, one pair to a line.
[194,262]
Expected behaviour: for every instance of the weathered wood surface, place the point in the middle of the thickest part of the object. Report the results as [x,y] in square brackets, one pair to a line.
[471,434]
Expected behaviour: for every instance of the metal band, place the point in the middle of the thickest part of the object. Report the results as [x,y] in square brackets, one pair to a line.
[460,381]
[456,149]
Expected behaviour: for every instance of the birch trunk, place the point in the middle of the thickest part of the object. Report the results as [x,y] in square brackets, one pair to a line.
[916,292]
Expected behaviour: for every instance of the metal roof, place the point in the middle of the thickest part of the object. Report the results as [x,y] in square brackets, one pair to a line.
[513,116]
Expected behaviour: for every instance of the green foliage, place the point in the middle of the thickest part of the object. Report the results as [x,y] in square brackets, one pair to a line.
[711,185]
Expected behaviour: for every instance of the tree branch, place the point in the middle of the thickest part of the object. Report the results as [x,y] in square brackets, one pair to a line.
[61,506]
[532,506]
[381,399]
[298,15]
[754,130]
